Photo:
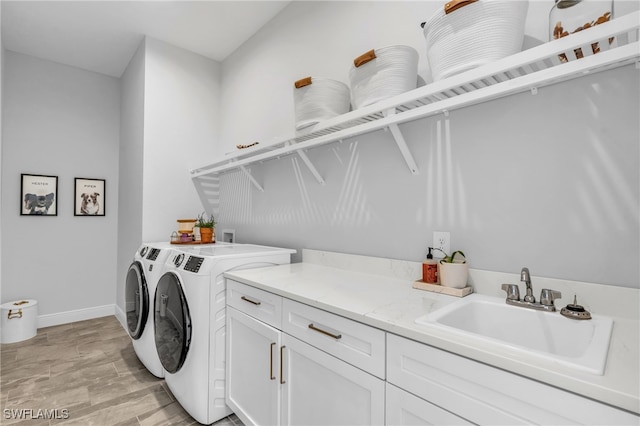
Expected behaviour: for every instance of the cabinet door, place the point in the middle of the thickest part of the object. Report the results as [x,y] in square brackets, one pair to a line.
[320,389]
[405,409]
[253,362]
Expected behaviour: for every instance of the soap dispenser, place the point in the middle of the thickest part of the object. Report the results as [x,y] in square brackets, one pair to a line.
[430,269]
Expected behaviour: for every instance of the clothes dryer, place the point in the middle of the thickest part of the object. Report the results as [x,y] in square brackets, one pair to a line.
[190,323]
[140,287]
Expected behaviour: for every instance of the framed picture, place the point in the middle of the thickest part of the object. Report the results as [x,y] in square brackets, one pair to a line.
[38,195]
[89,197]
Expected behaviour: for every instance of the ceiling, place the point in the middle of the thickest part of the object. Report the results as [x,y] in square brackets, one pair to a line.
[102,36]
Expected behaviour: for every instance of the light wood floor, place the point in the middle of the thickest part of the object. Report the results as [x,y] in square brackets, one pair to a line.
[90,369]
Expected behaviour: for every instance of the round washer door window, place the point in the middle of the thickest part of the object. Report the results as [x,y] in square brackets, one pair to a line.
[136,300]
[172,323]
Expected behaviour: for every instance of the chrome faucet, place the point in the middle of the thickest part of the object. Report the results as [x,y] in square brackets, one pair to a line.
[525,277]
[528,301]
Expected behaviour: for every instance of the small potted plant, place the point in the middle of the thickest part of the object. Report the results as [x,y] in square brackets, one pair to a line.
[453,272]
[207,228]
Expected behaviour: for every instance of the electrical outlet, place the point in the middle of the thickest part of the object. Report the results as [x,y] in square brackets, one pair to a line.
[442,241]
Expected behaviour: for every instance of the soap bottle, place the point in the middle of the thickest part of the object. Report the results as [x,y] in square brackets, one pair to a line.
[430,269]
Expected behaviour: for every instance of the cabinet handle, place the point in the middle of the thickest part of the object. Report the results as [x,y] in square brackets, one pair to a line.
[271,376]
[255,302]
[319,330]
[282,382]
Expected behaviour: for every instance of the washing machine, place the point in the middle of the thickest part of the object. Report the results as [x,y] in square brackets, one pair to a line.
[190,321]
[142,277]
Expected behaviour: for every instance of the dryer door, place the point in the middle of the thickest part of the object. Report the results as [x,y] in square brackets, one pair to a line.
[136,297]
[172,323]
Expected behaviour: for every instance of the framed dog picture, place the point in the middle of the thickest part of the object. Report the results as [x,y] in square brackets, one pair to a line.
[89,197]
[39,195]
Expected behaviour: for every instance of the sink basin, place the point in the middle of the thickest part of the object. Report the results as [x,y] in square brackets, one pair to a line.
[579,344]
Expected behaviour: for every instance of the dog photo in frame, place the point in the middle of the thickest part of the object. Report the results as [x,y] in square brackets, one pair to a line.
[38,195]
[89,199]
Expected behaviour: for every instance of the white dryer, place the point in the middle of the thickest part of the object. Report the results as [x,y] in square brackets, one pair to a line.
[142,277]
[190,323]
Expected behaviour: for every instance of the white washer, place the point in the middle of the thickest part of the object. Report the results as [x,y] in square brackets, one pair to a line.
[142,277]
[190,324]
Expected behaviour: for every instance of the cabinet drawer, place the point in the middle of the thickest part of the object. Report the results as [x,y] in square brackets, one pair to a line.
[353,342]
[484,394]
[404,408]
[260,304]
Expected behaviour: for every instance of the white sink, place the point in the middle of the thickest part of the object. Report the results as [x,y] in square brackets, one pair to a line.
[579,344]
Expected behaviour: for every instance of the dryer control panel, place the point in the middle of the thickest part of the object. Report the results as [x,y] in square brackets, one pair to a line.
[193,264]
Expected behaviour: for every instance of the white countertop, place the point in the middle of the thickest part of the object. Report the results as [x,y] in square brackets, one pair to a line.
[391,304]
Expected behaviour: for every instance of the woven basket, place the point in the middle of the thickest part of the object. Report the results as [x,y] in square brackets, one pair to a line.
[467,34]
[382,73]
[318,99]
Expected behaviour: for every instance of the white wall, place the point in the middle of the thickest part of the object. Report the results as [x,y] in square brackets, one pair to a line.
[1,103]
[131,158]
[170,109]
[548,181]
[321,39]
[61,121]
[181,116]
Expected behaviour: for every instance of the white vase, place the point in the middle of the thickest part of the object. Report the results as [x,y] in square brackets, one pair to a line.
[453,275]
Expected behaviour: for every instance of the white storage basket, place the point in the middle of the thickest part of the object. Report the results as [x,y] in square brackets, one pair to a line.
[19,320]
[318,99]
[469,33]
[382,73]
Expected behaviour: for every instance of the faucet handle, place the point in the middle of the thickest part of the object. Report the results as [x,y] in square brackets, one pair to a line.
[513,292]
[548,296]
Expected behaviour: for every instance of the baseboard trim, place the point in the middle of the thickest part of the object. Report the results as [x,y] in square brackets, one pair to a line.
[77,315]
[120,315]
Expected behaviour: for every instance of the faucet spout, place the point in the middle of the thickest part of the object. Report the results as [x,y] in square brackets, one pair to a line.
[525,277]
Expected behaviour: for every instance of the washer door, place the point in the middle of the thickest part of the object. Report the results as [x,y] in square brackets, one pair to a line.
[136,297]
[172,323]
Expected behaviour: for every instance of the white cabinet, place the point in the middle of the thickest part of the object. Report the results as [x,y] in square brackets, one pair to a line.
[351,341]
[404,409]
[252,363]
[320,389]
[292,364]
[260,304]
[487,395]
[274,378]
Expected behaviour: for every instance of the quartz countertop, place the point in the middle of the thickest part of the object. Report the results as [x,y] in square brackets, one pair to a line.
[389,302]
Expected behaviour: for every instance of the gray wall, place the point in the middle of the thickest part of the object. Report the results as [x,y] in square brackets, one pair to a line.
[60,121]
[169,119]
[549,181]
[131,155]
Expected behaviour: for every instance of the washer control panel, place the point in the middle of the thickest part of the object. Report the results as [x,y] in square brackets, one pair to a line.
[193,264]
[153,254]
[177,260]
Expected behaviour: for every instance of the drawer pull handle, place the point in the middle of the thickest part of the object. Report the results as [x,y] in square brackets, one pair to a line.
[254,302]
[282,382]
[271,376]
[319,330]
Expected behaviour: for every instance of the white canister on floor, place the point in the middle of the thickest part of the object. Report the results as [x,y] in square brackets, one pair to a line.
[19,320]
